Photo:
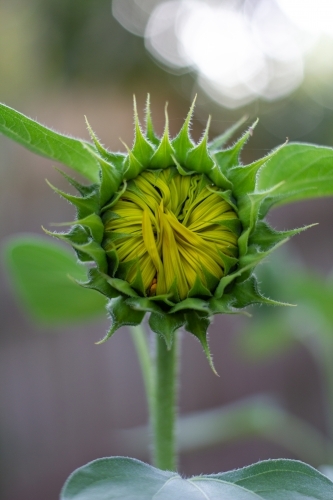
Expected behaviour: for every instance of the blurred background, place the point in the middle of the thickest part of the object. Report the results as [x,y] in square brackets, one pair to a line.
[63,398]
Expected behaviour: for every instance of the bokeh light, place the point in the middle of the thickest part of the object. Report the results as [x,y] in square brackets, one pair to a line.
[240,50]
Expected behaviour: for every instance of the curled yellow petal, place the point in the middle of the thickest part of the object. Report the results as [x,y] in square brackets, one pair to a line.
[170,227]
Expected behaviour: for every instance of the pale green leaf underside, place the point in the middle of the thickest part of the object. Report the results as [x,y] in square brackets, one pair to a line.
[129,479]
[305,170]
[42,274]
[45,142]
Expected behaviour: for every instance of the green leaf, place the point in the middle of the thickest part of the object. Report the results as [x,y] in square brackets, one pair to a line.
[182,143]
[121,314]
[162,157]
[229,158]
[222,139]
[281,480]
[166,324]
[126,478]
[41,274]
[46,142]
[198,158]
[197,325]
[306,171]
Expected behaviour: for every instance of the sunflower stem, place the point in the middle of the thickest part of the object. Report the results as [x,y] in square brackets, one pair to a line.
[165,401]
[160,382]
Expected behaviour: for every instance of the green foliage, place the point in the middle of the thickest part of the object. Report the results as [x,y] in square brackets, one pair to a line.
[286,174]
[304,171]
[46,142]
[118,477]
[44,276]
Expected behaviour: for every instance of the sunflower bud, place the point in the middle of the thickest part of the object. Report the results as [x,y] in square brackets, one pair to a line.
[174,235]
[174,228]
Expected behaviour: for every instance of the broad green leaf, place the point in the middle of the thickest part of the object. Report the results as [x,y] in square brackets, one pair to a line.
[129,479]
[45,142]
[305,170]
[43,274]
[281,480]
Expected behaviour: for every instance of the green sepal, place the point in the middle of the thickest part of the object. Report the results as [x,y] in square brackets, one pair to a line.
[84,205]
[121,314]
[250,206]
[243,268]
[198,158]
[96,281]
[110,179]
[87,249]
[229,158]
[137,283]
[115,158]
[233,225]
[228,197]
[163,156]
[218,178]
[198,289]
[150,133]
[173,292]
[124,268]
[182,143]
[144,304]
[222,139]
[247,293]
[77,235]
[244,177]
[132,166]
[197,325]
[94,224]
[229,262]
[165,324]
[254,257]
[211,280]
[94,253]
[243,241]
[193,304]
[122,286]
[182,170]
[142,149]
[81,188]
[222,305]
[264,237]
[112,259]
[114,199]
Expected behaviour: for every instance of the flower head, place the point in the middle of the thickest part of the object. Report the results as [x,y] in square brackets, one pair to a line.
[173,235]
[175,229]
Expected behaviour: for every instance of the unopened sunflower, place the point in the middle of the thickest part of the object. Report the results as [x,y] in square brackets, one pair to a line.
[175,229]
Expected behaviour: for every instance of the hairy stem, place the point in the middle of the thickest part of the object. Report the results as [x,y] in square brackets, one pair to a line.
[160,381]
[165,401]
